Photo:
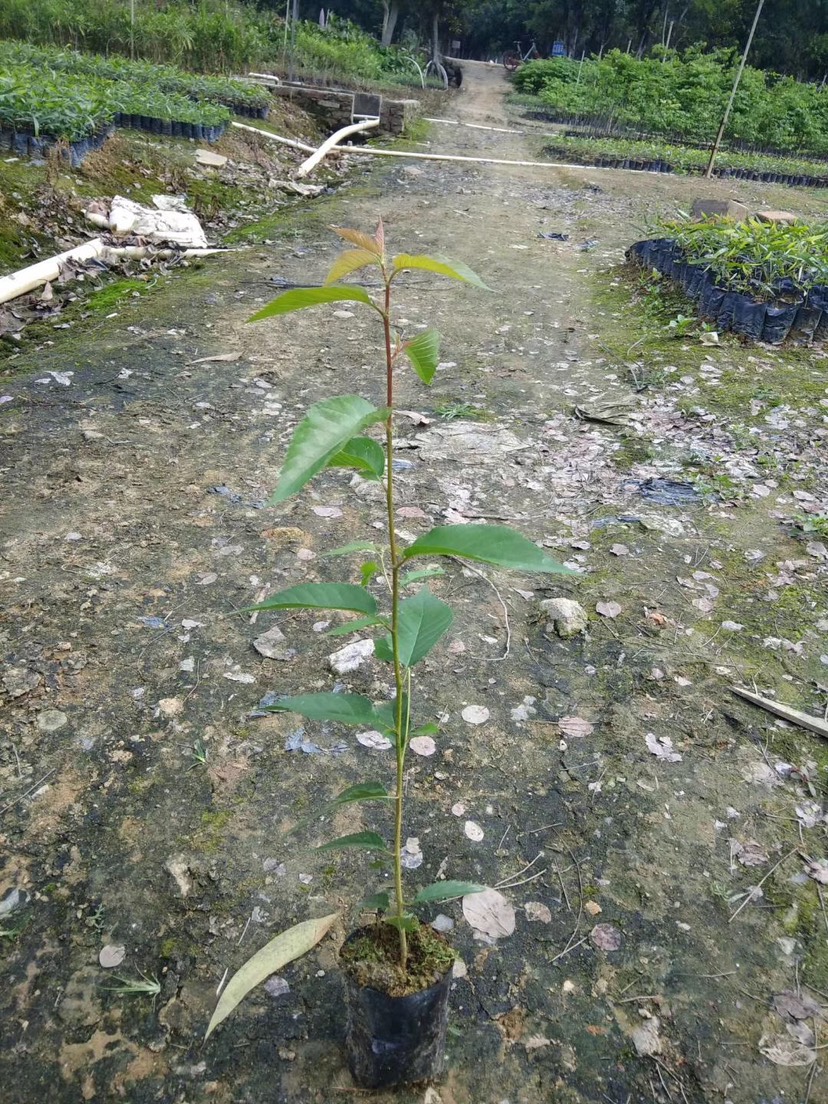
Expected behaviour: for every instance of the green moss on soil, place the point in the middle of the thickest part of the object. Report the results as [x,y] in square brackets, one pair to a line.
[372,959]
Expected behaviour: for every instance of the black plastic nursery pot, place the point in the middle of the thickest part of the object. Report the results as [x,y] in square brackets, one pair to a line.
[395,1040]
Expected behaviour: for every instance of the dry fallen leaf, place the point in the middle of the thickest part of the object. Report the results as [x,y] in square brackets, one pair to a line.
[113,954]
[608,609]
[818,869]
[605,937]
[796,1006]
[782,1050]
[422,745]
[750,853]
[576,727]
[662,747]
[537,912]
[222,358]
[374,740]
[646,1038]
[489,913]
[475,714]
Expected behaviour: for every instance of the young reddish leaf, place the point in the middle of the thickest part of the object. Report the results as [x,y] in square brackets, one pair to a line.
[326,428]
[440,266]
[424,353]
[379,237]
[352,260]
[302,298]
[359,239]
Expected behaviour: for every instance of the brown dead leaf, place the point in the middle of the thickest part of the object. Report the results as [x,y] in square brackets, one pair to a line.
[575,727]
[608,609]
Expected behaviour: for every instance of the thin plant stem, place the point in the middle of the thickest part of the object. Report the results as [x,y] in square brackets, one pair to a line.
[399,726]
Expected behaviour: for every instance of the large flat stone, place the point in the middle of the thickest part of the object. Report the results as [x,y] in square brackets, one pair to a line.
[783,218]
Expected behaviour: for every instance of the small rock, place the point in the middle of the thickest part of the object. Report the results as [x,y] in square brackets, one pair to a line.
[210,159]
[351,656]
[50,720]
[646,1039]
[473,831]
[14,899]
[19,681]
[592,908]
[272,645]
[170,707]
[783,218]
[276,987]
[442,923]
[568,617]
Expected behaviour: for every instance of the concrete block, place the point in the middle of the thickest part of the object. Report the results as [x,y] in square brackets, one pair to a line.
[719,208]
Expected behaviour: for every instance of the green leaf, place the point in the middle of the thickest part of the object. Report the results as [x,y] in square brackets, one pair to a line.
[302,298]
[425,573]
[441,266]
[351,709]
[383,650]
[379,902]
[422,620]
[322,433]
[363,791]
[356,625]
[369,841]
[427,730]
[367,456]
[352,260]
[367,572]
[406,922]
[424,354]
[446,891]
[347,549]
[385,715]
[491,544]
[338,596]
[286,947]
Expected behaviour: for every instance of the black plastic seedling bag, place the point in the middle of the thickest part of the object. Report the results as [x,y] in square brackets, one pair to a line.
[748,316]
[805,324]
[778,322]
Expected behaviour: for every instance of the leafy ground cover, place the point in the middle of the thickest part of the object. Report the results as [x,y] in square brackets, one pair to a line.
[683,97]
[210,36]
[661,157]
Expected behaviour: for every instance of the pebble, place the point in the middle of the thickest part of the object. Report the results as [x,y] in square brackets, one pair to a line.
[50,720]
[272,645]
[352,656]
[442,923]
[473,831]
[568,618]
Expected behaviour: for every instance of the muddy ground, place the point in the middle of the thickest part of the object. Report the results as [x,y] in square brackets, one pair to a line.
[144,806]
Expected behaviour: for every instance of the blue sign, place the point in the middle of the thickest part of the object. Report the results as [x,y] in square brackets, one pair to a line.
[558,50]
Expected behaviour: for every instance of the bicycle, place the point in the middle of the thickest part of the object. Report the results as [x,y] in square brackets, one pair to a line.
[513,59]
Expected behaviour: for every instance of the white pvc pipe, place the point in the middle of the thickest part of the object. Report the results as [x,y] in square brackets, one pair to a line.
[27,279]
[334,140]
[276,137]
[373,152]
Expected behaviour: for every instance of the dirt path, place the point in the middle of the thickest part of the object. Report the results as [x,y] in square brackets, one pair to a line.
[144,806]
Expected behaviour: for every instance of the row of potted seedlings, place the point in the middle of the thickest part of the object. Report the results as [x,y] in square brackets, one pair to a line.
[655,157]
[790,312]
[240,96]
